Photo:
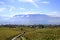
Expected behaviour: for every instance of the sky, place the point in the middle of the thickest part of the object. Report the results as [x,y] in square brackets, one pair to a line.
[10,8]
[14,7]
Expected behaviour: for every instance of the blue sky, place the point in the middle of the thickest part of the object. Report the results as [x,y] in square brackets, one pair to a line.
[10,8]
[13,7]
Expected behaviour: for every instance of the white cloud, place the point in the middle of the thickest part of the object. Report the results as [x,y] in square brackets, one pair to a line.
[2,2]
[29,1]
[26,13]
[22,8]
[53,14]
[45,2]
[35,4]
[25,0]
[2,9]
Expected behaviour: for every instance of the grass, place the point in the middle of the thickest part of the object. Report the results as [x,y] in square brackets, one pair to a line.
[44,34]
[8,33]
[31,33]
[23,38]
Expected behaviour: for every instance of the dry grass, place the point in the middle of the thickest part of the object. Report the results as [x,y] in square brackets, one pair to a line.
[44,34]
[8,33]
[31,33]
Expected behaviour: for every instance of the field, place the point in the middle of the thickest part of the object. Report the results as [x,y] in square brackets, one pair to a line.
[31,33]
[8,33]
[44,34]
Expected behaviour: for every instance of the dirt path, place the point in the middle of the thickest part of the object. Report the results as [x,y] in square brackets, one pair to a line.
[19,37]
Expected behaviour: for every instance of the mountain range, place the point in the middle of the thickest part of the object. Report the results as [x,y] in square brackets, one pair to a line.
[31,19]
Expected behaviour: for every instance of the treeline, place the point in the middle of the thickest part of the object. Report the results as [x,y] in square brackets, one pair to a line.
[32,26]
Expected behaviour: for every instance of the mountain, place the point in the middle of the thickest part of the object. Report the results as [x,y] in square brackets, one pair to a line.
[34,19]
[30,19]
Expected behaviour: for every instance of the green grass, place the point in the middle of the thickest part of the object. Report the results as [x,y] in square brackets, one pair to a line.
[31,33]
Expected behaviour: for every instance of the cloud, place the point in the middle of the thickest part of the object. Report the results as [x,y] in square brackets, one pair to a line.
[2,9]
[25,9]
[29,1]
[25,0]
[22,8]
[52,14]
[35,4]
[45,2]
[1,2]
[26,13]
